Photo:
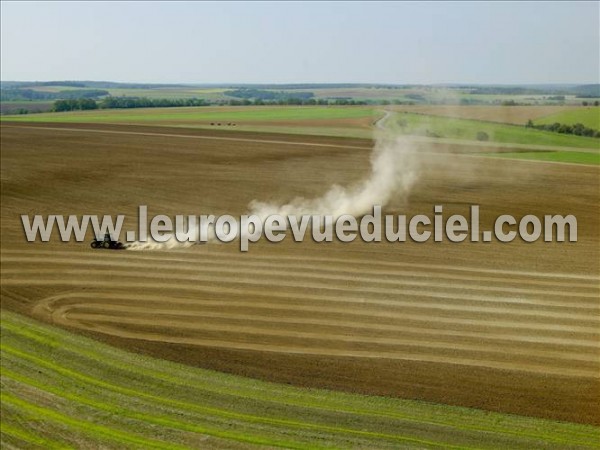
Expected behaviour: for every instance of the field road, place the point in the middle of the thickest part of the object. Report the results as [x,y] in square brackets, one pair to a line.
[380,123]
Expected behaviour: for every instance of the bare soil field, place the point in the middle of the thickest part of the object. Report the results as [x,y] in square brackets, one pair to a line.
[504,327]
[517,115]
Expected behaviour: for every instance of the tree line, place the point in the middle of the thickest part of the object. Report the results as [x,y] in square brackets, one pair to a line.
[11,95]
[577,129]
[262,94]
[74,104]
[143,102]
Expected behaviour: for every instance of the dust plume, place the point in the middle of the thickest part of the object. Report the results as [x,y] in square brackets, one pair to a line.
[395,165]
[394,170]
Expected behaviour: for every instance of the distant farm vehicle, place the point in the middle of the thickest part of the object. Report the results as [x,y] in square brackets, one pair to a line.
[107,243]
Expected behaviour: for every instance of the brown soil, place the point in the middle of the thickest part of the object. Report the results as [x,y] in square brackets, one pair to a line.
[505,327]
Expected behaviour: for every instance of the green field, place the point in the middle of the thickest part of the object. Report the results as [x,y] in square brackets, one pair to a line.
[452,128]
[590,117]
[60,390]
[249,113]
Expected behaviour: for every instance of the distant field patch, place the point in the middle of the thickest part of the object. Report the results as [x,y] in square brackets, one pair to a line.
[169,93]
[588,116]
[447,127]
[34,106]
[55,88]
[516,115]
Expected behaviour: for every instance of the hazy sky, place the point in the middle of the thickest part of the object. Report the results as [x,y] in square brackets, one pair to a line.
[267,42]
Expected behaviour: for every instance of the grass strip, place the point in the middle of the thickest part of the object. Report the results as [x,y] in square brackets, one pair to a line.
[98,431]
[31,438]
[218,412]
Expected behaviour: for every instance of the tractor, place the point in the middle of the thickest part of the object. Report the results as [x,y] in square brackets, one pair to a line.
[107,243]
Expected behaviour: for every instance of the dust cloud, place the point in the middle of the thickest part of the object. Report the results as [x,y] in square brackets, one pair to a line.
[395,167]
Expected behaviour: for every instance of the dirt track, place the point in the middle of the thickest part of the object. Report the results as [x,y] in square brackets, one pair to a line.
[509,327]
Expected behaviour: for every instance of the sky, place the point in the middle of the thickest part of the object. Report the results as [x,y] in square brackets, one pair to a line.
[302,42]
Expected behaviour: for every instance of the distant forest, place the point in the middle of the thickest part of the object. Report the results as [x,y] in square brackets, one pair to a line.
[143,102]
[23,97]
[267,95]
[585,90]
[582,91]
[15,94]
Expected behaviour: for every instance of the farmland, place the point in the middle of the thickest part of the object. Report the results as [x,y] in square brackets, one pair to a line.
[448,127]
[300,225]
[159,92]
[388,345]
[143,402]
[413,94]
[182,115]
[440,124]
[590,117]
[558,156]
[509,328]
[514,115]
[30,106]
